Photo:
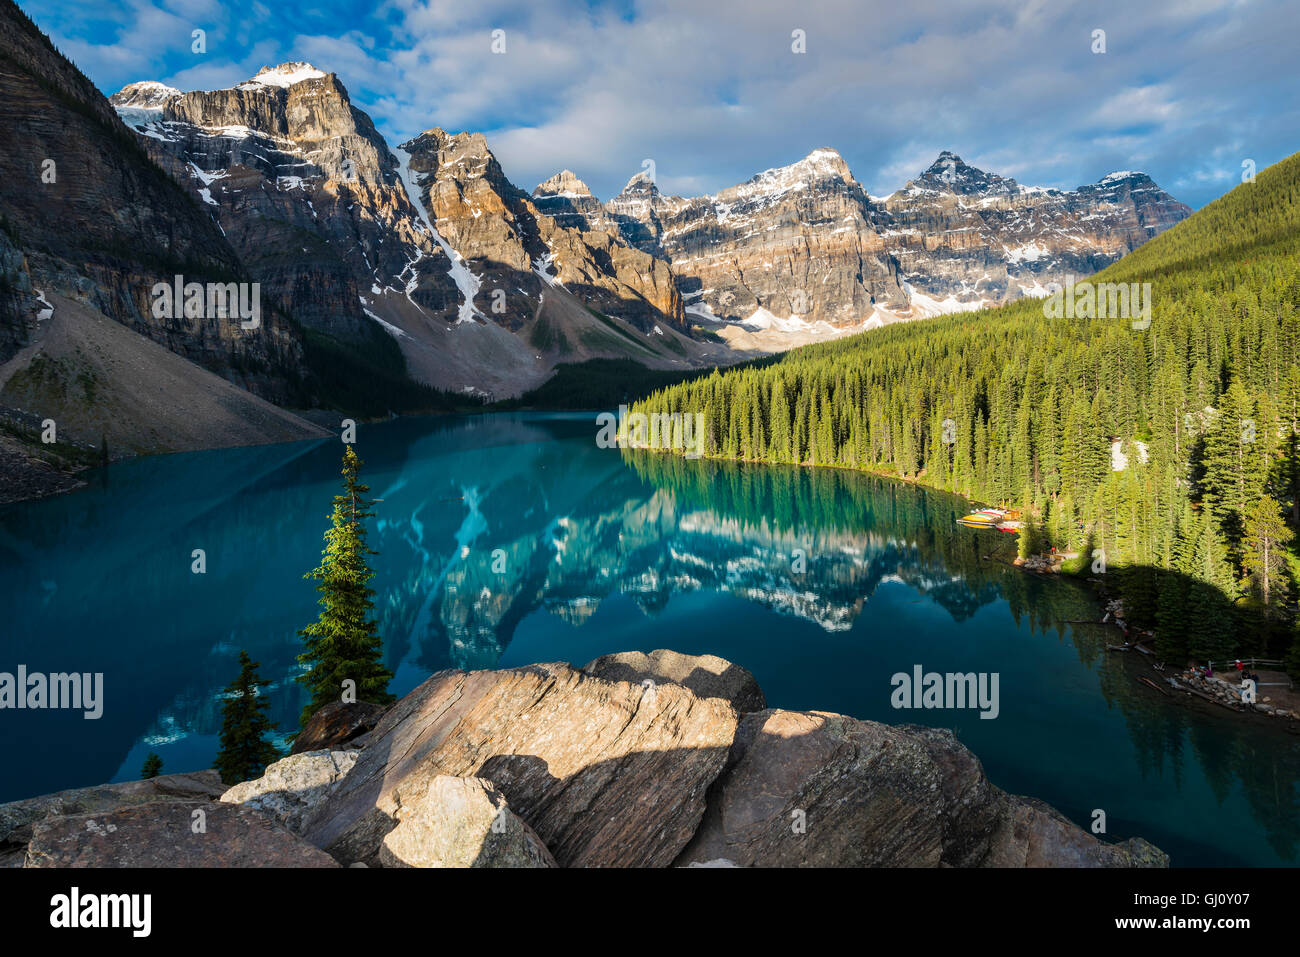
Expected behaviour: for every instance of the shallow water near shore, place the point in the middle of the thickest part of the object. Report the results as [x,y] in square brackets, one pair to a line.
[510,539]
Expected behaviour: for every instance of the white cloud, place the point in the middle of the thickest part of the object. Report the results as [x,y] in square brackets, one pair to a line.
[714,93]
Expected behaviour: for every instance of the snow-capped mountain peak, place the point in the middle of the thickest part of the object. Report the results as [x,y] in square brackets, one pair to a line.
[819,165]
[950,174]
[563,184]
[147,94]
[284,76]
[641,182]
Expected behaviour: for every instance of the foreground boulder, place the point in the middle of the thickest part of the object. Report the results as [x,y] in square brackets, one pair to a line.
[163,834]
[292,787]
[17,818]
[605,773]
[1034,834]
[462,822]
[707,675]
[812,789]
[336,724]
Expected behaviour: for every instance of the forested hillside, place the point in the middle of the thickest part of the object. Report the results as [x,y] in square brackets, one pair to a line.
[1192,523]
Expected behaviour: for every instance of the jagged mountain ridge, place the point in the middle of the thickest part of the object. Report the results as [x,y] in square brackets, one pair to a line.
[486,287]
[960,233]
[481,290]
[804,250]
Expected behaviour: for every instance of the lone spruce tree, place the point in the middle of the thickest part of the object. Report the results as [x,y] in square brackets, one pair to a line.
[245,752]
[343,644]
[152,766]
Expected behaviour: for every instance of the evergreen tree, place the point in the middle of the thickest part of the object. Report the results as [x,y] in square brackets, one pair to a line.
[1234,459]
[343,644]
[152,766]
[245,752]
[1264,544]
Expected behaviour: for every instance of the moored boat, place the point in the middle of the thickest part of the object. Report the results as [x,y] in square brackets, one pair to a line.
[979,520]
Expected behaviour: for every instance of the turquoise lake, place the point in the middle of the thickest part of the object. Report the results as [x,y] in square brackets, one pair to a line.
[510,539]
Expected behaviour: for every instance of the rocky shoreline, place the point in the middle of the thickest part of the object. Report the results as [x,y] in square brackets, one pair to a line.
[634,760]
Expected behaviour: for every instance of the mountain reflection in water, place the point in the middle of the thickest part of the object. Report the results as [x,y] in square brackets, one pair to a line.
[512,538]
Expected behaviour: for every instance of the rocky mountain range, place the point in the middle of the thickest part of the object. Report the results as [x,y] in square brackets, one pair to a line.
[804,252]
[427,240]
[486,287]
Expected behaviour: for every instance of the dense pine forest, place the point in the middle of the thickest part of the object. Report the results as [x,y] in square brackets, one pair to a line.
[1008,406]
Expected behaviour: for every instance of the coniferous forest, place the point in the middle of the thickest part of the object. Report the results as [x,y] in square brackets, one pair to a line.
[1193,523]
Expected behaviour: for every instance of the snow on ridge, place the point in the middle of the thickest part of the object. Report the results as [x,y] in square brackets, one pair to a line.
[1027,252]
[761,319]
[144,94]
[284,76]
[465,280]
[928,306]
[207,177]
[542,265]
[388,327]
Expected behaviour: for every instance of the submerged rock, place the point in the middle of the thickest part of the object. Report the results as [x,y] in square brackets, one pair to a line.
[462,822]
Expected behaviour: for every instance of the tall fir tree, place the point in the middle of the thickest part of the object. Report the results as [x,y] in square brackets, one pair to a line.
[245,752]
[1264,548]
[343,644]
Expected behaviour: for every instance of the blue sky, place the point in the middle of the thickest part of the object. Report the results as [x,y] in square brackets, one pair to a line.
[713,92]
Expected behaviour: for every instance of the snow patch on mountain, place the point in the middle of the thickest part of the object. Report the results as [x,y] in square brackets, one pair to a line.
[542,266]
[925,307]
[465,280]
[391,329]
[284,76]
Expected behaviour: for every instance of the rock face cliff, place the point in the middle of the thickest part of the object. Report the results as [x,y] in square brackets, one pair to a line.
[803,251]
[508,241]
[631,761]
[89,225]
[88,216]
[303,186]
